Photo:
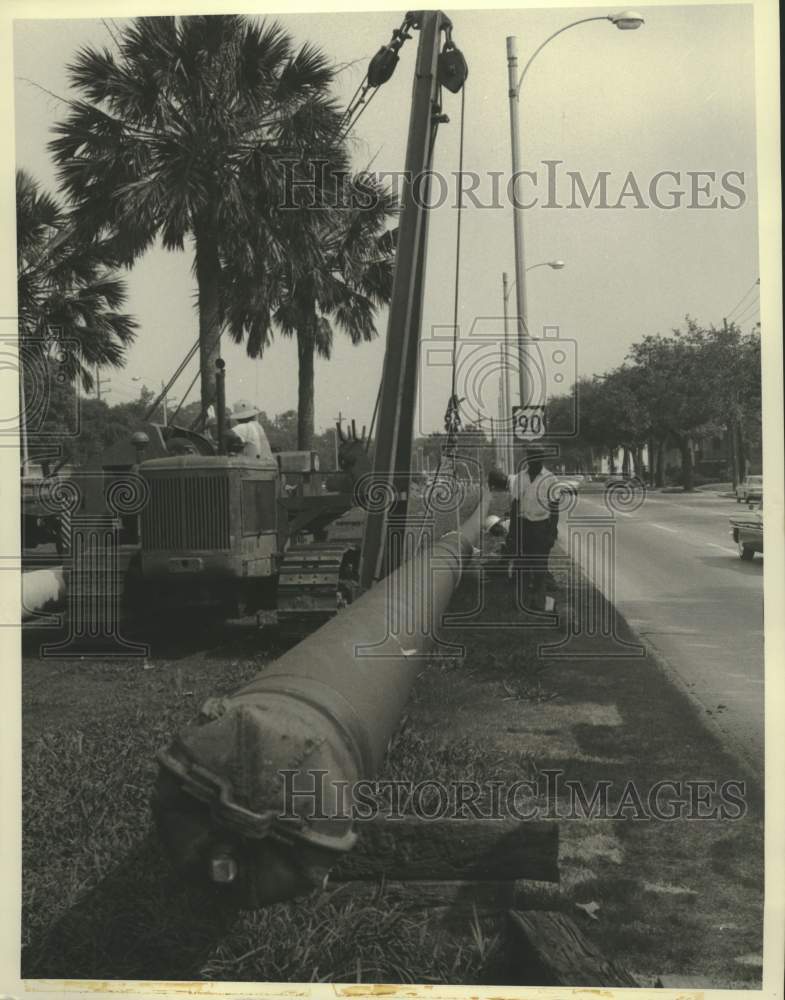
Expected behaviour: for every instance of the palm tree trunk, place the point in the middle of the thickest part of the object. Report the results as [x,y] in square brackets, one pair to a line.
[305,390]
[208,280]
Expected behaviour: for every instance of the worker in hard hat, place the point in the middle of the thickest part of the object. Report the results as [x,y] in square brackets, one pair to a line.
[246,427]
[534,522]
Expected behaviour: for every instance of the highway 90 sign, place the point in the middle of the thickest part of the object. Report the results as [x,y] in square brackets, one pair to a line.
[528,422]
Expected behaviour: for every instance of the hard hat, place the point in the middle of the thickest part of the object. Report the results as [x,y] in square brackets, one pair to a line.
[242,410]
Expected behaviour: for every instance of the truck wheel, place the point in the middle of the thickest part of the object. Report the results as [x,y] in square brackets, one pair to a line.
[745,552]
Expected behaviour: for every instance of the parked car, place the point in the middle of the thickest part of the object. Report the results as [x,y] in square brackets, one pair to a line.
[750,488]
[569,481]
[747,532]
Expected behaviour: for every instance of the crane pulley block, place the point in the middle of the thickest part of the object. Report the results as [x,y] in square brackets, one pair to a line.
[452,68]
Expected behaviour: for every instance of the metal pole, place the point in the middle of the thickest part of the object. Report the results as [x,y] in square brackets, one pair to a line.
[508,439]
[392,455]
[163,397]
[220,404]
[23,421]
[335,438]
[517,216]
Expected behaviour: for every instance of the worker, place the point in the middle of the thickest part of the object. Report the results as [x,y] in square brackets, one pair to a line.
[534,522]
[246,427]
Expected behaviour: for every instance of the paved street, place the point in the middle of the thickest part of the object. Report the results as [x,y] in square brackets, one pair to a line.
[681,585]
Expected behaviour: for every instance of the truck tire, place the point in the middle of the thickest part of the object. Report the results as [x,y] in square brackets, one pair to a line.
[745,552]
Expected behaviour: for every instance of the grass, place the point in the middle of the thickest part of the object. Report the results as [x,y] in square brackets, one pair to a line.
[99,902]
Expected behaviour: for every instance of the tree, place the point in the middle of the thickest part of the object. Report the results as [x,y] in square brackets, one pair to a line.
[730,366]
[336,273]
[675,391]
[68,292]
[182,136]
[575,450]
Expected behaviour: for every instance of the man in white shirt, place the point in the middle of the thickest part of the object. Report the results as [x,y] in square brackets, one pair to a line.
[247,428]
[534,523]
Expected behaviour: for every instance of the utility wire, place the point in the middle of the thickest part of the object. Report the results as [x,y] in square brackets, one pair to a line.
[748,313]
[744,296]
[742,309]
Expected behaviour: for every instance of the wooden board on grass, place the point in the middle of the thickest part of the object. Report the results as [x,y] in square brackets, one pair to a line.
[547,948]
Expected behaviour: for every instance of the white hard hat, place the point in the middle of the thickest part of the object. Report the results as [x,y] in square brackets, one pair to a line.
[243,409]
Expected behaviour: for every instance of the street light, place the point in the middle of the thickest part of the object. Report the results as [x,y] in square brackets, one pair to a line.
[627,20]
[555,265]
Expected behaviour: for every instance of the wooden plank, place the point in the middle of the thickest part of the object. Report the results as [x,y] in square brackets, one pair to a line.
[483,850]
[548,949]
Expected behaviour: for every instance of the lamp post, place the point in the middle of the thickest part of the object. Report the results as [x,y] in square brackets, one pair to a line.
[556,265]
[627,20]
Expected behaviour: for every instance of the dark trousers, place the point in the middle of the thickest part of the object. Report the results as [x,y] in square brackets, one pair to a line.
[531,545]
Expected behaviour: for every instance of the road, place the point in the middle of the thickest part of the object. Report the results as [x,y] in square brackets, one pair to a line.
[680,584]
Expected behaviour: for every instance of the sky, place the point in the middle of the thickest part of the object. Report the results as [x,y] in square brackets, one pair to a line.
[676,95]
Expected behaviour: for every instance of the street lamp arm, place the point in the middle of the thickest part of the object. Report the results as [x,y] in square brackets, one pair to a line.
[556,265]
[533,56]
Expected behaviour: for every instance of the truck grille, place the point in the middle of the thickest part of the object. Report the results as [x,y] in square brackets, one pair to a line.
[187,512]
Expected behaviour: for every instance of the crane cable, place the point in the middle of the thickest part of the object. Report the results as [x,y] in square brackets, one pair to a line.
[452,416]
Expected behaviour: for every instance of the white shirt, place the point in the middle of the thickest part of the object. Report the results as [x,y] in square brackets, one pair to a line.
[534,496]
[255,442]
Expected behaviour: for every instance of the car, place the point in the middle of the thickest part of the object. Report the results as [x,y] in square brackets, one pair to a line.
[747,532]
[750,488]
[569,481]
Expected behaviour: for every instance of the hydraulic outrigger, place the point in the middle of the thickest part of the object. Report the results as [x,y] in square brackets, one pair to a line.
[256,795]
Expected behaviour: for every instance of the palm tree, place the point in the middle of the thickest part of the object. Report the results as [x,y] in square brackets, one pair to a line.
[182,136]
[337,273]
[68,290]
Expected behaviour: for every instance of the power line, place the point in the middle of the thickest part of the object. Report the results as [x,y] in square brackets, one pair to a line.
[754,285]
[748,313]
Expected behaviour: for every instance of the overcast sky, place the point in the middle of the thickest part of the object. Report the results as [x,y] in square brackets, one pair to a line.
[676,95]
